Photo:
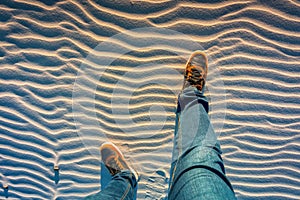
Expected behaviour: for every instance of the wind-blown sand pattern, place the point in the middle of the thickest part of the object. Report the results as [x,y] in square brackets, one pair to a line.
[255,45]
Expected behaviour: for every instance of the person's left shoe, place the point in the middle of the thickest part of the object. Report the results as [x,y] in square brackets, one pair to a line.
[114,160]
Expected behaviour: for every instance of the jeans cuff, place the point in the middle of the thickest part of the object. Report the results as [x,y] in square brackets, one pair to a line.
[128,175]
[191,96]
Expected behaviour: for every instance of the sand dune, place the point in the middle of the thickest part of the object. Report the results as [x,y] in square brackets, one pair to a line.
[126,91]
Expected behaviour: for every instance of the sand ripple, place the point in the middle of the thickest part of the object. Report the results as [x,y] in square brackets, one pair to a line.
[255,45]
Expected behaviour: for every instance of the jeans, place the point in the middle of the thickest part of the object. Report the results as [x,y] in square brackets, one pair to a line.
[197,170]
[121,187]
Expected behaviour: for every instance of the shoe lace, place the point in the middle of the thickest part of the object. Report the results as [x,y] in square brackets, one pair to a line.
[114,165]
[195,76]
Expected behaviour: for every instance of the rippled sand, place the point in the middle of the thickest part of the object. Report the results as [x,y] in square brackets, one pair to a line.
[46,46]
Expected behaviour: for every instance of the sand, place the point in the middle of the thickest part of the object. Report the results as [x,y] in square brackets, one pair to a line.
[75,74]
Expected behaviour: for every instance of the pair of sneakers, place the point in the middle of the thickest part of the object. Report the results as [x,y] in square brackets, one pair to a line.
[195,75]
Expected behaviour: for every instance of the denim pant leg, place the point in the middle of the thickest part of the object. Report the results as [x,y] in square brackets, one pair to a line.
[197,170]
[121,187]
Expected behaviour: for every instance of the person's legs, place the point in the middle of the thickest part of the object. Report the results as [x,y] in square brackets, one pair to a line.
[197,170]
[124,178]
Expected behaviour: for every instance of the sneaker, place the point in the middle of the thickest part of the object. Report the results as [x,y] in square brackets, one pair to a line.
[196,71]
[114,159]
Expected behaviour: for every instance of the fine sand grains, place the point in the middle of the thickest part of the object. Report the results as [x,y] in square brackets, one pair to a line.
[254,46]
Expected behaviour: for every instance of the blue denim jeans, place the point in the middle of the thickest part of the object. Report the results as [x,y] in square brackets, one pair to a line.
[197,170]
[121,187]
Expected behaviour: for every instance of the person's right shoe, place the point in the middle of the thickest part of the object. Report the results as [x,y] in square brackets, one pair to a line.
[196,71]
[114,160]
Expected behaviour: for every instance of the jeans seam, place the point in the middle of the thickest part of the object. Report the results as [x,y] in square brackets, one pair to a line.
[126,192]
[173,175]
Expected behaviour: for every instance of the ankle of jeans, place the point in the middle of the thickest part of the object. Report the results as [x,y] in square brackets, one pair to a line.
[189,97]
[129,176]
